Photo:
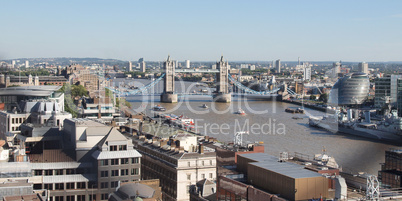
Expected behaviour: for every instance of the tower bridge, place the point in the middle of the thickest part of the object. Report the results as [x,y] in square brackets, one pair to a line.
[222,93]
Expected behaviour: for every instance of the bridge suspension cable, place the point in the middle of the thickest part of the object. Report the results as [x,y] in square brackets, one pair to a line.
[292,92]
[248,90]
[139,90]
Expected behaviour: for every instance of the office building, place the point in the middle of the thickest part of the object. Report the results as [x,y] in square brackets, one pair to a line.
[12,97]
[350,90]
[13,64]
[336,69]
[86,160]
[87,79]
[187,62]
[129,67]
[290,180]
[307,73]
[363,67]
[390,173]
[386,91]
[31,81]
[179,163]
[142,66]
[278,65]
[26,64]
[101,108]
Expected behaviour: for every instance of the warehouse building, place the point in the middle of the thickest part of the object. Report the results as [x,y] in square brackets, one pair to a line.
[291,181]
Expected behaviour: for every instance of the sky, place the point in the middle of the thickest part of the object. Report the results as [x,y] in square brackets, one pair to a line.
[359,30]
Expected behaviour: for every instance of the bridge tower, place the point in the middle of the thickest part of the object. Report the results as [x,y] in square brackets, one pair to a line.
[222,88]
[168,95]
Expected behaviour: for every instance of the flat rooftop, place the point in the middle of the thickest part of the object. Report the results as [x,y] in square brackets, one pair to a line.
[87,123]
[174,154]
[45,90]
[272,164]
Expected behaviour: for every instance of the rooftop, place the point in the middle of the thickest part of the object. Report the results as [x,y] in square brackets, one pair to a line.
[166,150]
[45,90]
[51,156]
[272,163]
[80,122]
[32,197]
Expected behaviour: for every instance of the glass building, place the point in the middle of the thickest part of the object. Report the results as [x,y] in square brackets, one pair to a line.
[350,90]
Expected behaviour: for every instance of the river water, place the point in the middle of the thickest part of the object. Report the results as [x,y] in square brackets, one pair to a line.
[267,122]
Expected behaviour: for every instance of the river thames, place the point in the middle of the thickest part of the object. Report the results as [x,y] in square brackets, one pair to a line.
[267,122]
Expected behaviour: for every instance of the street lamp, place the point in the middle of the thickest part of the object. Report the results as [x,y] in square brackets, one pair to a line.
[92,192]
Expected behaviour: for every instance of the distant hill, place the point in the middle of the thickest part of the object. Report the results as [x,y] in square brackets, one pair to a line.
[64,61]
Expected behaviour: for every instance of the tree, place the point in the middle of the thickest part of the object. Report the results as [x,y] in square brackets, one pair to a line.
[323,98]
[69,105]
[78,90]
[313,97]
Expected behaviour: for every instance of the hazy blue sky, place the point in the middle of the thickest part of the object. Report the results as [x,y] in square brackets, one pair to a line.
[203,30]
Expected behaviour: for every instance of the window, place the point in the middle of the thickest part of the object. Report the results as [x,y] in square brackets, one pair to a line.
[58,172]
[124,161]
[38,172]
[188,164]
[202,163]
[122,147]
[59,186]
[104,196]
[58,198]
[104,185]
[70,198]
[104,162]
[188,189]
[92,197]
[134,171]
[70,186]
[202,176]
[188,176]
[114,184]
[104,173]
[210,175]
[37,186]
[113,148]
[123,172]
[115,173]
[210,162]
[80,197]
[48,172]
[49,186]
[70,171]
[80,185]
[114,161]
[134,160]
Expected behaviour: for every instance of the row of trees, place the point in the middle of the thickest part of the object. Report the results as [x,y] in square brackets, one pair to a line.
[70,92]
[39,72]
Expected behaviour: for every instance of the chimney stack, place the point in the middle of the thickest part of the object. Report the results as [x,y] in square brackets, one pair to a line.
[201,149]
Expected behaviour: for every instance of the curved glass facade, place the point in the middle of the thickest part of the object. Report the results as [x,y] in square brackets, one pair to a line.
[350,90]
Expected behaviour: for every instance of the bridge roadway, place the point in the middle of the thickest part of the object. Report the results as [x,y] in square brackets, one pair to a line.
[207,96]
[196,70]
